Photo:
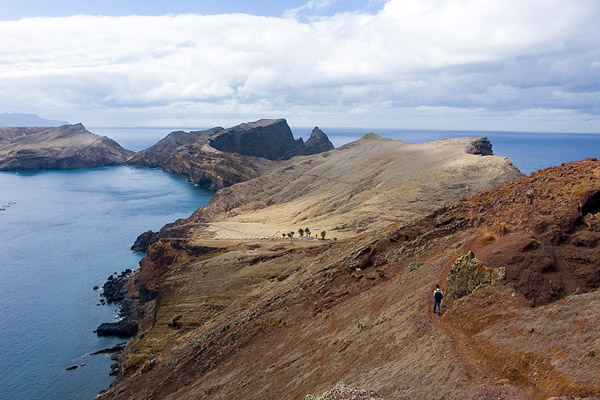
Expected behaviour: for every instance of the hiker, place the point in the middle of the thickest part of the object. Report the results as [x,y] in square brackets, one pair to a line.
[437,299]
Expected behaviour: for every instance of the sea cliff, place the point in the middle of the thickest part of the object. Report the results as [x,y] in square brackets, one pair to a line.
[220,157]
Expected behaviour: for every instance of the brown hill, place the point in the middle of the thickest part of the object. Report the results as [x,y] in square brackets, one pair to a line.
[65,147]
[280,319]
[364,185]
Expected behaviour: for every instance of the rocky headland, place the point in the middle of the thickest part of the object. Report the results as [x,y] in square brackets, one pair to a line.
[65,147]
[215,158]
[228,304]
[220,157]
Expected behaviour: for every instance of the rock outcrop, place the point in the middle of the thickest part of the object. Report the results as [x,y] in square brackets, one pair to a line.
[318,142]
[65,147]
[467,274]
[271,139]
[481,147]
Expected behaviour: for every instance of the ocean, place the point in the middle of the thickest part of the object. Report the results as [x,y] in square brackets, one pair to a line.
[62,232]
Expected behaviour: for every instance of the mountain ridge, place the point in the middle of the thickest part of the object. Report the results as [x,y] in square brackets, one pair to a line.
[283,318]
[8,120]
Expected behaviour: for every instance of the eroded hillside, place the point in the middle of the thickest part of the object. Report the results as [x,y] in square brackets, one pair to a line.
[262,319]
[362,186]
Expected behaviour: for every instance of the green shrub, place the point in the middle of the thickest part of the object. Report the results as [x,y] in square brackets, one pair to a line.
[413,265]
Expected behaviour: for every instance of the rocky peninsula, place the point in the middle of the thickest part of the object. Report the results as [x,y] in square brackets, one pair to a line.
[220,157]
[65,147]
[254,318]
[234,309]
[362,186]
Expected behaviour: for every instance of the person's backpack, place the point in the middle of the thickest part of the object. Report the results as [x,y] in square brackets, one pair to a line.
[438,295]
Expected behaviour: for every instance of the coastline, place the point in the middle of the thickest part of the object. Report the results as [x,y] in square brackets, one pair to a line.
[84,222]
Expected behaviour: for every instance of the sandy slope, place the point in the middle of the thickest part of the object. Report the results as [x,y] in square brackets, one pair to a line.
[364,185]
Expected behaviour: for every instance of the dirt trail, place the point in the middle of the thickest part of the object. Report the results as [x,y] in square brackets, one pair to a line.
[493,386]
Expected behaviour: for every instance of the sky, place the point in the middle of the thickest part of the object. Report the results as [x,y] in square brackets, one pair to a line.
[520,65]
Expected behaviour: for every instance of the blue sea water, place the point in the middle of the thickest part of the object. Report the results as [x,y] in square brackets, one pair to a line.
[61,233]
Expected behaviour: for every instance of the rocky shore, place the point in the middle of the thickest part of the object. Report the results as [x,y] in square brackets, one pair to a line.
[230,301]
[114,291]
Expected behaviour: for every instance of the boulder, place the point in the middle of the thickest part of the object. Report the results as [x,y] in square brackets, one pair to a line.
[122,328]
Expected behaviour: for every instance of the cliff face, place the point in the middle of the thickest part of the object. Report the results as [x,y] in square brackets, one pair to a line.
[222,157]
[204,165]
[283,318]
[65,147]
[271,139]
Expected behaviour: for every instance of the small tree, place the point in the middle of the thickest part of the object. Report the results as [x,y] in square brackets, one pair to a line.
[323,235]
[291,234]
[283,235]
[307,232]
[301,232]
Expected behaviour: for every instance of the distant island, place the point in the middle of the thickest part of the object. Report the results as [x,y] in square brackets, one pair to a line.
[65,147]
[27,120]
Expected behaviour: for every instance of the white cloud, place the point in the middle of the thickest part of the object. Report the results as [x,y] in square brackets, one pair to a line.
[481,58]
[311,5]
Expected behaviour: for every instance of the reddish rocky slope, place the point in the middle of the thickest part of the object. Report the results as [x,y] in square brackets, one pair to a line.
[283,319]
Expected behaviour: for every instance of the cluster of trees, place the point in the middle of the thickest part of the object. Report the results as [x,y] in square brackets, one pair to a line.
[301,233]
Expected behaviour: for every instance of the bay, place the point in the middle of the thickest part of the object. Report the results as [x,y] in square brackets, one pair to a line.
[61,233]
